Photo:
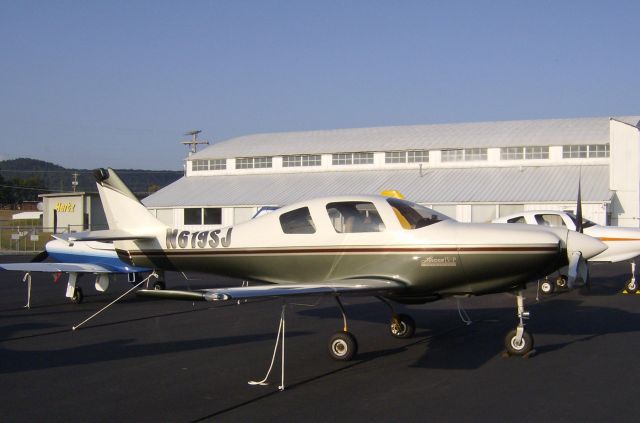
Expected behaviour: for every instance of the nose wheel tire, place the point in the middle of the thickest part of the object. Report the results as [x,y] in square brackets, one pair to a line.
[521,347]
[343,346]
[402,326]
[631,285]
[77,296]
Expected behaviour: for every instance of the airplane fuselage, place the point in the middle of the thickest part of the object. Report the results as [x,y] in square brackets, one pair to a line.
[442,258]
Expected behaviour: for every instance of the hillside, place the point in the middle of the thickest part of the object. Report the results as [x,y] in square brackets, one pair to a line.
[54,178]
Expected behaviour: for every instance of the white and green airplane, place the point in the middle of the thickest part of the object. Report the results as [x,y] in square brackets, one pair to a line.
[385,247]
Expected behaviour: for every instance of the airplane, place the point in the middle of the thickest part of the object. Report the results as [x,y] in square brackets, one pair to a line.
[623,243]
[389,248]
[80,258]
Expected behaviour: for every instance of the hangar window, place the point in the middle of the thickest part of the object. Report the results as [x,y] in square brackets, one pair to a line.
[212,216]
[362,158]
[413,156]
[452,155]
[524,153]
[511,153]
[574,151]
[253,162]
[395,157]
[341,159]
[474,154]
[414,216]
[417,156]
[218,164]
[301,160]
[536,152]
[203,216]
[297,222]
[598,150]
[592,151]
[464,155]
[193,216]
[355,216]
[197,165]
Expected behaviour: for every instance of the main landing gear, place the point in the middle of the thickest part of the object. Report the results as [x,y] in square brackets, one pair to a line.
[343,346]
[548,286]
[518,341]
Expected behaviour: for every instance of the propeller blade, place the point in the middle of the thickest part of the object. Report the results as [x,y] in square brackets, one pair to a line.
[578,273]
[42,256]
[579,227]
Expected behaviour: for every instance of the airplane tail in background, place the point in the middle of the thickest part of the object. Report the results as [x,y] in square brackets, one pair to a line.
[122,208]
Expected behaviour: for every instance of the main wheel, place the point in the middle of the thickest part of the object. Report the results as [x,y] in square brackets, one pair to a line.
[159,286]
[402,326]
[546,287]
[561,281]
[518,348]
[631,285]
[343,346]
[77,296]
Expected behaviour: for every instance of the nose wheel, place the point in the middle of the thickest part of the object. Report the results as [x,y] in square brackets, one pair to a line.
[518,342]
[518,345]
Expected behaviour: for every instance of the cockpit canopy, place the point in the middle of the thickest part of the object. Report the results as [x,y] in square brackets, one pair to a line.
[358,216]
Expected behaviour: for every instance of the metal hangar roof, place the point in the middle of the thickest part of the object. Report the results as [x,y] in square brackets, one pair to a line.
[432,186]
[439,136]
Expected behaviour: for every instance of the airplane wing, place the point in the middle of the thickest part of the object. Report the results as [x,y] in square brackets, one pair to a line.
[106,235]
[341,287]
[56,267]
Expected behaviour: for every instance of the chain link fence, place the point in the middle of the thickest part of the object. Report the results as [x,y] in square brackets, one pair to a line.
[25,239]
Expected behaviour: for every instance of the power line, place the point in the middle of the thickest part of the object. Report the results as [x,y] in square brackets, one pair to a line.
[28,188]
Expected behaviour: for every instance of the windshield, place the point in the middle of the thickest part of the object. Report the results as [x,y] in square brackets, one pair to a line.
[414,216]
[586,223]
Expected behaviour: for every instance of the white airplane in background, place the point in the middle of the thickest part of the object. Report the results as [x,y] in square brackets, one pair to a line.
[76,259]
[623,243]
[348,245]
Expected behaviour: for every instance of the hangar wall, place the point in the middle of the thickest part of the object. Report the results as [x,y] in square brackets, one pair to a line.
[471,171]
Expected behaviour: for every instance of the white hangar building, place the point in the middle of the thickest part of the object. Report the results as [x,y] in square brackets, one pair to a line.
[473,172]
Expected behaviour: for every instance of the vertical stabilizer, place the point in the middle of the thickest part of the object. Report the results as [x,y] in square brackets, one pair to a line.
[123,209]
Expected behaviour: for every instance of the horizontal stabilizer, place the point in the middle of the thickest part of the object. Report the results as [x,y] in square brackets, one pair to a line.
[342,287]
[55,267]
[106,235]
[171,295]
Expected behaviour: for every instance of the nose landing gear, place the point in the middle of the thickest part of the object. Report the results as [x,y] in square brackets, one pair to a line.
[519,342]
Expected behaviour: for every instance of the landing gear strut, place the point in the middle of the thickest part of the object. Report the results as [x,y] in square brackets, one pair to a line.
[631,286]
[402,325]
[518,341]
[343,345]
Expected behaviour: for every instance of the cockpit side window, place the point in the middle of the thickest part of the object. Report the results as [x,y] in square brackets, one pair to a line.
[355,216]
[297,221]
[414,216]
[519,219]
[586,223]
[552,220]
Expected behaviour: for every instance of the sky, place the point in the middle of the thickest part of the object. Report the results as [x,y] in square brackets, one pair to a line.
[88,84]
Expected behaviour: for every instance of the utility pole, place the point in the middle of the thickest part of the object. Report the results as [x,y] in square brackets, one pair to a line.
[193,143]
[74,183]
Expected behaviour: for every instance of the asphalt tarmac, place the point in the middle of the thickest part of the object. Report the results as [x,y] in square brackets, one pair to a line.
[159,360]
